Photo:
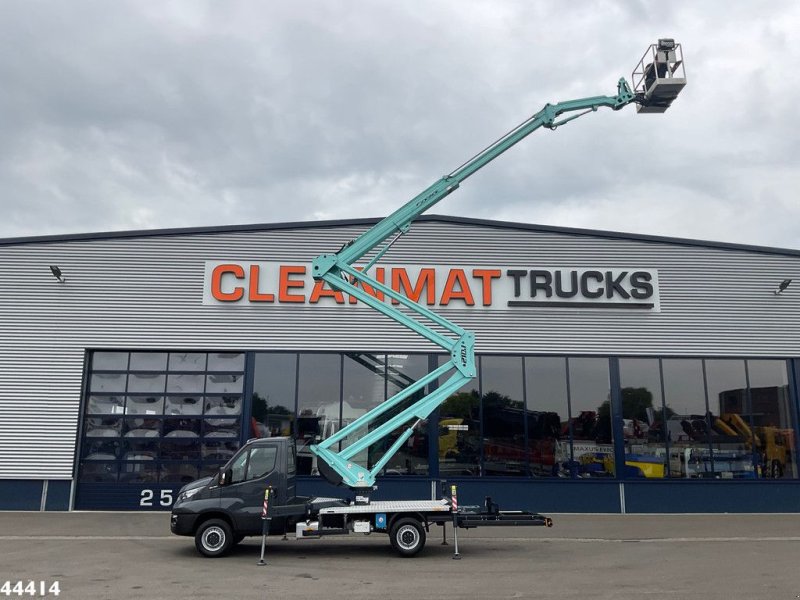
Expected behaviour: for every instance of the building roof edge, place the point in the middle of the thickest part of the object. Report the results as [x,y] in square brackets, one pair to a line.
[219,229]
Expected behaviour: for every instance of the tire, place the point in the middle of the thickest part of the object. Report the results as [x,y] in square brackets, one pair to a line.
[213,538]
[407,536]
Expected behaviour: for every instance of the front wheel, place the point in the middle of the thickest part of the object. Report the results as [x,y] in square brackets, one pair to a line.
[407,536]
[213,538]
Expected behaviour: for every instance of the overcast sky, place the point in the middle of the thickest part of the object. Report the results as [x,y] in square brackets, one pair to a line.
[139,115]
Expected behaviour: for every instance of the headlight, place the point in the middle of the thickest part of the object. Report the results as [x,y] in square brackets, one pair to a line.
[188,494]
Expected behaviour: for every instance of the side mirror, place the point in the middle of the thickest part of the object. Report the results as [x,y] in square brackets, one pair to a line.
[224,476]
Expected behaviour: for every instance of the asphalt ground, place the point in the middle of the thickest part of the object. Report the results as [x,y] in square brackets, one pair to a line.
[133,555]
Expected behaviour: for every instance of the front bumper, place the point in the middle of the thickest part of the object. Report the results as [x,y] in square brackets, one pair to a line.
[182,523]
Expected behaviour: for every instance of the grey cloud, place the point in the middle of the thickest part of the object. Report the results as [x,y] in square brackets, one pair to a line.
[131,115]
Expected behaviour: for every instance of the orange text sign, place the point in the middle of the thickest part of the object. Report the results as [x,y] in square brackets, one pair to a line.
[237,283]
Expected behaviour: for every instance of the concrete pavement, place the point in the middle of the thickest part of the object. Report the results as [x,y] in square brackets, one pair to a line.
[132,555]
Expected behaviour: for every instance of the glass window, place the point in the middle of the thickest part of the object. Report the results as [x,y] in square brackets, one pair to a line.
[218,451]
[146,383]
[547,415]
[503,416]
[103,405]
[226,361]
[138,472]
[402,371]
[590,418]
[180,448]
[154,416]
[179,472]
[687,426]
[108,382]
[139,449]
[142,428]
[187,428]
[184,383]
[187,361]
[363,383]
[184,405]
[99,472]
[110,361]
[238,468]
[274,386]
[460,431]
[364,388]
[318,403]
[221,428]
[224,384]
[730,416]
[642,407]
[144,405]
[148,361]
[103,427]
[101,449]
[772,418]
[727,386]
[262,462]
[168,414]
[223,405]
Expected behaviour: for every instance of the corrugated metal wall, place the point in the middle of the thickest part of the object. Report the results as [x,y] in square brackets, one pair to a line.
[146,292]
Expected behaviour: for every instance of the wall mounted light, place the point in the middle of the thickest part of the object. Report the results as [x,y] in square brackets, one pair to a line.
[57,273]
[782,287]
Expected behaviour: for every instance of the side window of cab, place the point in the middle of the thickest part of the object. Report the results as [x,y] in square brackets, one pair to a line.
[238,468]
[262,462]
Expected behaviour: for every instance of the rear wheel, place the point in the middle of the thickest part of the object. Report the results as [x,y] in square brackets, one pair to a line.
[213,538]
[407,536]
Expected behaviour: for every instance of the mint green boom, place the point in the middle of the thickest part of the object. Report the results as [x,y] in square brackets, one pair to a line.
[340,273]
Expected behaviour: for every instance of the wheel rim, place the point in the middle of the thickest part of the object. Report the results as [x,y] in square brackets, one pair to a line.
[408,537]
[213,538]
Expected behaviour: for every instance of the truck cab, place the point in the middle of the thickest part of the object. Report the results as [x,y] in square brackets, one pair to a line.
[221,510]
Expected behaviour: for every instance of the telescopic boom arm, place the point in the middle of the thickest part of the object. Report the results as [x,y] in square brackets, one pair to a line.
[340,272]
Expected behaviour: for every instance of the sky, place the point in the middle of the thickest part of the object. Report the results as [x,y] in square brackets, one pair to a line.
[147,115]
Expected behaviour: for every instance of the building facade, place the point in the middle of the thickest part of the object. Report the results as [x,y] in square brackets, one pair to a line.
[617,372]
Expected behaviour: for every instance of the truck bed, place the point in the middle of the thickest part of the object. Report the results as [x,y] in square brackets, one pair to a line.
[435,511]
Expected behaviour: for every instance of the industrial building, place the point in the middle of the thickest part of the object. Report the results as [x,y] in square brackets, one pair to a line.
[617,372]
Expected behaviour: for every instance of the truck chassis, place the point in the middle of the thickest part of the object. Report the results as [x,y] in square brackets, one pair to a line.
[406,522]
